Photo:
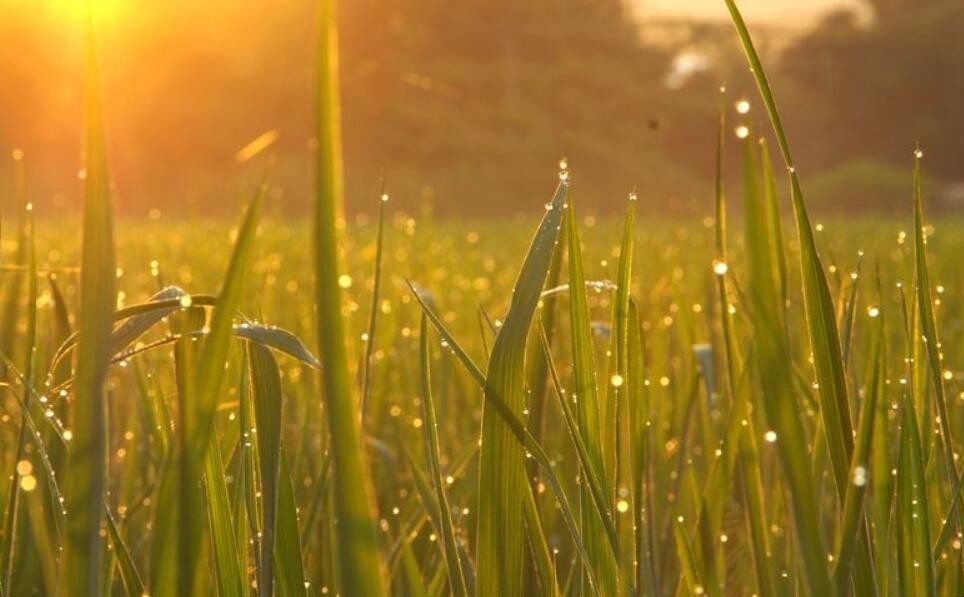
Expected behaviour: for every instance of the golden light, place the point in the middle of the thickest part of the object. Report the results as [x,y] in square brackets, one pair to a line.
[103,11]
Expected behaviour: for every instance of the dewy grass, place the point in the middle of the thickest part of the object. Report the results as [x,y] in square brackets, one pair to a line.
[85,484]
[689,428]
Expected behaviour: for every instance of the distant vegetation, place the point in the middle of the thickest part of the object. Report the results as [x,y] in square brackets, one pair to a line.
[458,102]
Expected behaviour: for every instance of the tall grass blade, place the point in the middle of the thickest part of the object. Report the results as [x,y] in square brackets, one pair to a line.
[12,516]
[357,543]
[588,410]
[821,321]
[131,578]
[932,344]
[916,569]
[502,479]
[373,308]
[266,392]
[86,472]
[621,388]
[853,523]
[446,531]
[521,434]
[291,578]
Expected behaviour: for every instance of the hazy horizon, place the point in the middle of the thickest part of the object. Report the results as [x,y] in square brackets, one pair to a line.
[803,14]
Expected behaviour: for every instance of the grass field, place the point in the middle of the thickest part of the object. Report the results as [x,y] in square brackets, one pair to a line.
[559,405]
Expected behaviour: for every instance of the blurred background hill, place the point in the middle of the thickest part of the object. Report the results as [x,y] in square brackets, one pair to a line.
[466,106]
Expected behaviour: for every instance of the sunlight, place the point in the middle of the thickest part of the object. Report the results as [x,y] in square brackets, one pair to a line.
[104,11]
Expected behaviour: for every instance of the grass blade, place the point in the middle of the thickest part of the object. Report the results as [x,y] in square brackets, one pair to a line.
[588,410]
[291,579]
[916,569]
[928,330]
[86,473]
[500,544]
[129,575]
[446,530]
[266,393]
[521,434]
[357,548]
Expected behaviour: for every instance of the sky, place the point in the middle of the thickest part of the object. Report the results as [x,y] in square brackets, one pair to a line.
[779,11]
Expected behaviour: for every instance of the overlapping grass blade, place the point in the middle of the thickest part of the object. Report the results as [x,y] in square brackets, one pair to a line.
[522,435]
[588,411]
[853,520]
[291,579]
[446,530]
[131,578]
[776,378]
[12,516]
[916,569]
[202,376]
[821,322]
[373,308]
[266,391]
[625,435]
[502,479]
[928,329]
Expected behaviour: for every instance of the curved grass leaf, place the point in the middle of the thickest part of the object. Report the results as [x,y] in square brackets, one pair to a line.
[278,339]
[502,479]
[520,432]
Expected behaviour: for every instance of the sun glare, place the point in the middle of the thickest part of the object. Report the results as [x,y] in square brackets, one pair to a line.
[77,10]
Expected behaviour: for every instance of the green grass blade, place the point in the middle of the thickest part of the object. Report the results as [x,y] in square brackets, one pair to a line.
[214,353]
[621,394]
[852,525]
[201,377]
[821,321]
[521,434]
[12,516]
[776,377]
[771,199]
[928,329]
[500,541]
[588,410]
[86,473]
[227,560]
[373,308]
[266,392]
[539,546]
[597,492]
[357,542]
[916,569]
[291,578]
[131,578]
[446,530]
[756,513]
